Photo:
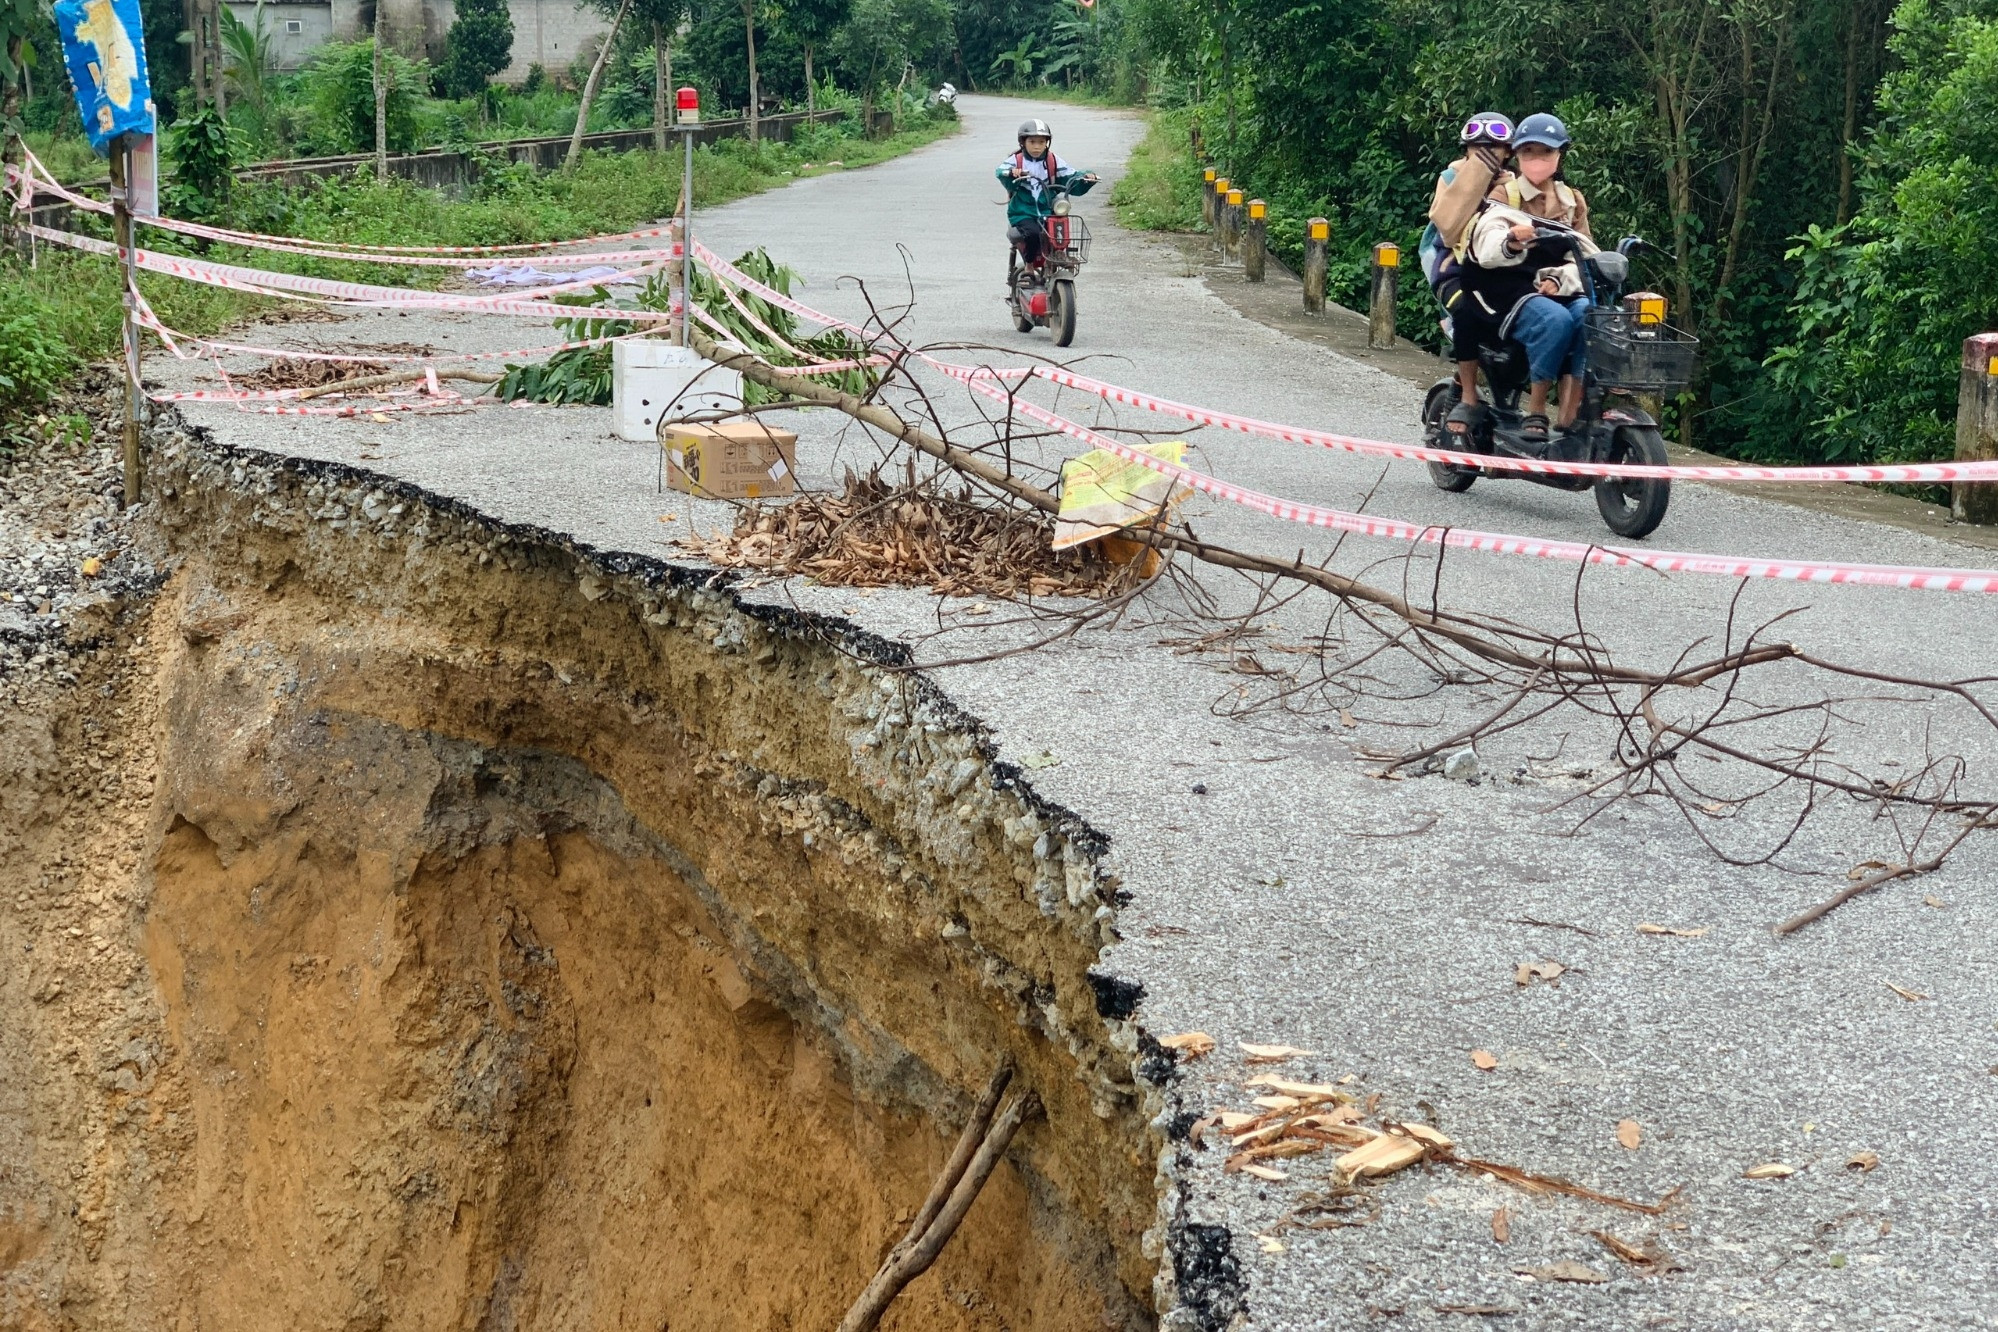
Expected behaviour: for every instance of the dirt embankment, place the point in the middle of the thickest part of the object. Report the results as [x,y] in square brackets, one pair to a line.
[419,923]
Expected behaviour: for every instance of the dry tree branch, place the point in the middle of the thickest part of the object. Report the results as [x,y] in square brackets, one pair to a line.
[1531,665]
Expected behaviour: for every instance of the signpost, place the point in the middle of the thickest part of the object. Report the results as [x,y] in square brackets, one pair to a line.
[687,102]
[103,45]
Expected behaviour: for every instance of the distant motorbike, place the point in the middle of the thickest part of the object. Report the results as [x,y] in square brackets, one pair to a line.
[1042,295]
[1630,352]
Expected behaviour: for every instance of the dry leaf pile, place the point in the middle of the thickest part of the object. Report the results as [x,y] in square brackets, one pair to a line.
[307,374]
[878,534]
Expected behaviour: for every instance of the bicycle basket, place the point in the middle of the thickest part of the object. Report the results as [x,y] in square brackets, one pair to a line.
[1070,235]
[1647,358]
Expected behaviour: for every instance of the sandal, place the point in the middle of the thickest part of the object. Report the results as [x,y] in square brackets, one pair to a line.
[1464,418]
[1533,428]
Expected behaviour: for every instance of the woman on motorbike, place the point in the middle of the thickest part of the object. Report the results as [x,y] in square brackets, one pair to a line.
[1520,285]
[1030,177]
[1461,189]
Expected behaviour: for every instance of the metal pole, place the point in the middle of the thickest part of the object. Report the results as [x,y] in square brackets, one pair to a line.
[121,230]
[687,235]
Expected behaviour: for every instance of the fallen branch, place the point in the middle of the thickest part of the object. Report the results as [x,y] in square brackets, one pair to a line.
[1875,880]
[1532,1183]
[395,377]
[979,1150]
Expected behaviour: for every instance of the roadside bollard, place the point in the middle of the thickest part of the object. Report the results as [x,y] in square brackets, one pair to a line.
[1255,242]
[1380,313]
[1221,213]
[1977,429]
[1316,233]
[1207,197]
[1232,248]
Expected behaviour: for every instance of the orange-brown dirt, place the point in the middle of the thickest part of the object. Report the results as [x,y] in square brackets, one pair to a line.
[415,926]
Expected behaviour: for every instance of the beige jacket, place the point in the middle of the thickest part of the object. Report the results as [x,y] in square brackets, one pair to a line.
[1460,189]
[1558,202]
[1490,238]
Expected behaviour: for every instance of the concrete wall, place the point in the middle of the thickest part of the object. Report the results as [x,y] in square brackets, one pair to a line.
[549,33]
[314,21]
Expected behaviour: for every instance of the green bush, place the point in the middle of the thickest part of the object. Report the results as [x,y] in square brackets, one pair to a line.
[480,46]
[339,87]
[1884,303]
[202,152]
[34,358]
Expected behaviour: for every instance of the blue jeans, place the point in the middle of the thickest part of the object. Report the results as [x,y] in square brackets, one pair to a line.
[1551,331]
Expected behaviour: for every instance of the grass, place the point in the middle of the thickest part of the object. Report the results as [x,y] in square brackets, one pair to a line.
[607,192]
[1160,187]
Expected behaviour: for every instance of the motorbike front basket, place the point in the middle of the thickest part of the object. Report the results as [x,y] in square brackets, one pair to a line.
[1626,353]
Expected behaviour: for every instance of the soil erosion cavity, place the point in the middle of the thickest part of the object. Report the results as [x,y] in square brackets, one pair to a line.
[486,933]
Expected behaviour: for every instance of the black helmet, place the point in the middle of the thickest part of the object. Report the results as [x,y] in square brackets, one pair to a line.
[1035,129]
[1487,127]
[1543,129]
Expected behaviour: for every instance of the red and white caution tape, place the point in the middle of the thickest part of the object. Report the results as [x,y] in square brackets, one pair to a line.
[1249,425]
[1666,561]
[37,179]
[722,268]
[352,295]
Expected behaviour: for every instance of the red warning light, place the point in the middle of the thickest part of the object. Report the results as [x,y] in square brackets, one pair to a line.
[689,103]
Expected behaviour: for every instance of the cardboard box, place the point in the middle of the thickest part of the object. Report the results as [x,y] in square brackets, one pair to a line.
[732,460]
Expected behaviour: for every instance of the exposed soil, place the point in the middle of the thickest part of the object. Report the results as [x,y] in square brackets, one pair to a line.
[417,923]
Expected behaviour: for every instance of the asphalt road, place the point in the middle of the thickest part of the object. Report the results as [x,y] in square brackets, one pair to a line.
[1301,899]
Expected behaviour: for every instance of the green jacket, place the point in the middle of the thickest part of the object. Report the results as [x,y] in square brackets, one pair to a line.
[1029,197]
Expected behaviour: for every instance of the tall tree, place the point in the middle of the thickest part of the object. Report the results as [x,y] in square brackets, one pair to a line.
[755,92]
[479,45]
[815,22]
[381,92]
[665,16]
[590,87]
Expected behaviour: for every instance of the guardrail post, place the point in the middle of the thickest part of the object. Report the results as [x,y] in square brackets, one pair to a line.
[1231,247]
[1317,233]
[1380,312]
[1221,213]
[1207,178]
[1977,429]
[1255,241]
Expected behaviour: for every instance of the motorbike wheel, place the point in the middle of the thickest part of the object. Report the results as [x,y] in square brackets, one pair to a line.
[1635,508]
[1446,476]
[1063,314]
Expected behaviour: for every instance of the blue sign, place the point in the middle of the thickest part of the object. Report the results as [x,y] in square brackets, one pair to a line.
[104,45]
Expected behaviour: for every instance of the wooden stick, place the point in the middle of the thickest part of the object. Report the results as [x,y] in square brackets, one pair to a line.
[395,377]
[1874,880]
[913,1256]
[975,1129]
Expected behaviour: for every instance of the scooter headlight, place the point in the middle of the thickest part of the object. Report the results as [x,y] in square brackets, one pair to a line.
[1061,207]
